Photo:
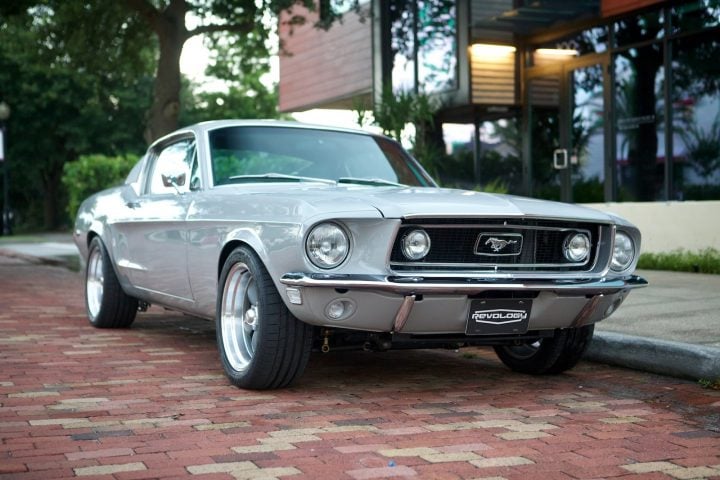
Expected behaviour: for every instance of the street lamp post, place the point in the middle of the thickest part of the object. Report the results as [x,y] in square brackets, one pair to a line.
[4,115]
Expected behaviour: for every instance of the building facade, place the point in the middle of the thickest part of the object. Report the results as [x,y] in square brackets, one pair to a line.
[579,100]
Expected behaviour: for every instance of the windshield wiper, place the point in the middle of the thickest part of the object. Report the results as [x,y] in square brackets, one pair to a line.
[376,182]
[276,177]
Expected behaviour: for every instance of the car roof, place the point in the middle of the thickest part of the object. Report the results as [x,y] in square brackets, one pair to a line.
[202,127]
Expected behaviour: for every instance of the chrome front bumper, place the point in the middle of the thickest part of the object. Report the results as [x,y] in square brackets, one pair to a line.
[418,285]
[441,305]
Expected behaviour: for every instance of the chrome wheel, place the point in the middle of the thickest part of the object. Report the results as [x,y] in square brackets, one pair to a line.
[239,316]
[94,283]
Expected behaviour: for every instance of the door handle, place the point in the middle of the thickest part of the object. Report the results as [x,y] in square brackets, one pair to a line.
[560,158]
[133,204]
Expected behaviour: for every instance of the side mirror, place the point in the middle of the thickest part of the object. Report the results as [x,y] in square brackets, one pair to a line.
[175,179]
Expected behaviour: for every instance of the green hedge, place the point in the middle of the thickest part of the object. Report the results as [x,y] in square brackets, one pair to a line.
[92,173]
[703,261]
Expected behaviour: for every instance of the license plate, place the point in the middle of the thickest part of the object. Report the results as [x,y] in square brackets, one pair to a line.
[498,317]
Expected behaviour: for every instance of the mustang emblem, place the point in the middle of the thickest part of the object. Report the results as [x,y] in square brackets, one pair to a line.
[498,244]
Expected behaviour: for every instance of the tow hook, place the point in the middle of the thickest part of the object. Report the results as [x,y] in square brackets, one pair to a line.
[326,342]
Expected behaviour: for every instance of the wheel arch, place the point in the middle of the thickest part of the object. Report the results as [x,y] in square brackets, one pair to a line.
[94,233]
[91,236]
[225,253]
[231,245]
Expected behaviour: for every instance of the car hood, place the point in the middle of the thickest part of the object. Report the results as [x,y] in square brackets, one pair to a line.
[404,202]
[442,202]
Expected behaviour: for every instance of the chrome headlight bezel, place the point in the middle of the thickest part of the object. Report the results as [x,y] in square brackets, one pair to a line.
[413,239]
[624,252]
[327,245]
[577,247]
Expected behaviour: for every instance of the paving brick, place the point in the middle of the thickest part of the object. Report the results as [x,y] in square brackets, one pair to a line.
[7,467]
[221,468]
[450,457]
[650,467]
[109,469]
[270,447]
[374,447]
[693,472]
[521,435]
[501,462]
[220,426]
[408,452]
[108,452]
[382,472]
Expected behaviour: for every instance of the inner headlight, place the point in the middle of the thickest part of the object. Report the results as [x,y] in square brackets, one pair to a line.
[623,252]
[416,244]
[576,247]
[327,245]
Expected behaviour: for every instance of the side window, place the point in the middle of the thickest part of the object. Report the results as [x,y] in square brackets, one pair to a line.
[176,161]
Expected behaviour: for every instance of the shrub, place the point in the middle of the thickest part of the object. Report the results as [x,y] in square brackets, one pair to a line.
[494,186]
[92,173]
[703,261]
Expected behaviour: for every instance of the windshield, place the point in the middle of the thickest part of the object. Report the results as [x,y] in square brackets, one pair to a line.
[245,154]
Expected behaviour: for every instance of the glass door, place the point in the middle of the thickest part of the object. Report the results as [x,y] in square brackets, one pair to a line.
[542,135]
[566,131]
[586,118]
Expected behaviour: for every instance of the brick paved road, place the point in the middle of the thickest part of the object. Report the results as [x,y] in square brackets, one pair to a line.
[151,402]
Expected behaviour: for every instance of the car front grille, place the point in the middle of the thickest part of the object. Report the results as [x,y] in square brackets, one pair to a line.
[520,245]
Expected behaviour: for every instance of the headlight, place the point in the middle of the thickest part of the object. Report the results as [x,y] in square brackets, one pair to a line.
[416,244]
[623,252]
[576,247]
[327,245]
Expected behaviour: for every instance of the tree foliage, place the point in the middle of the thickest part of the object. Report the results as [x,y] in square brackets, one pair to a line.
[239,27]
[96,77]
[245,92]
[60,109]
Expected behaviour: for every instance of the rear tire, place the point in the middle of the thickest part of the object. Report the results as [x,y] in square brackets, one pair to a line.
[106,303]
[262,345]
[548,355]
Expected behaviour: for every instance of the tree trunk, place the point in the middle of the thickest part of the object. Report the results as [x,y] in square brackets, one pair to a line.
[51,201]
[165,109]
[169,26]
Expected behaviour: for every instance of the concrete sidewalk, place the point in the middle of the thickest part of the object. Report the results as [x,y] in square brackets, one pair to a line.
[46,248]
[671,327]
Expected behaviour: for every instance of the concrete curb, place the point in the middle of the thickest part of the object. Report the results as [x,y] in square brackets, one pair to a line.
[676,359]
[65,261]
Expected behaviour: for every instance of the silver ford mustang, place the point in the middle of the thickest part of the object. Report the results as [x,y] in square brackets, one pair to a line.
[295,237]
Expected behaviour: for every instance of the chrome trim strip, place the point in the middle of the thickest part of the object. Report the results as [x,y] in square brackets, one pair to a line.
[418,285]
[496,225]
[498,266]
[454,215]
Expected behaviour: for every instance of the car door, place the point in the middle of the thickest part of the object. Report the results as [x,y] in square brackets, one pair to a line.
[156,232]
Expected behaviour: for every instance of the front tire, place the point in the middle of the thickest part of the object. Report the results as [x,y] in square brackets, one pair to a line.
[262,345]
[551,355]
[106,303]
